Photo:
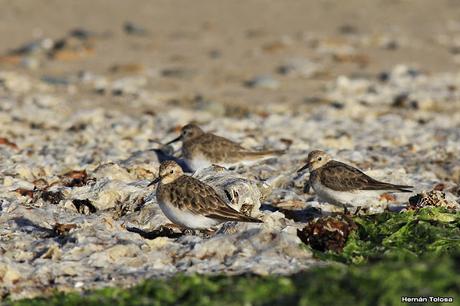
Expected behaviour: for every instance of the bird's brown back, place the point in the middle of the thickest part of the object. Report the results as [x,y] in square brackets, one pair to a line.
[342,177]
[219,149]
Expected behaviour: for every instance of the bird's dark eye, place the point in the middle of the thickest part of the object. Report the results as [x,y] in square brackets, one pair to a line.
[172,171]
[320,158]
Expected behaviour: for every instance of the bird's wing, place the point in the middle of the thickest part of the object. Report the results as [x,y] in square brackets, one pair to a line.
[221,143]
[217,148]
[342,177]
[200,198]
[225,149]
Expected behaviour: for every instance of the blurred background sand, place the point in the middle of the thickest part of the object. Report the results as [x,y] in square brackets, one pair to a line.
[212,48]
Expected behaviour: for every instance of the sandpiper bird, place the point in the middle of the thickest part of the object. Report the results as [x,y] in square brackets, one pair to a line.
[341,184]
[190,203]
[201,149]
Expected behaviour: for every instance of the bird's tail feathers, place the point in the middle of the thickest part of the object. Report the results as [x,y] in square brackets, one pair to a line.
[387,186]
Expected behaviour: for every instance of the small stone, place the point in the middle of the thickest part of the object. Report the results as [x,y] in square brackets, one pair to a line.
[131,28]
[263,81]
[128,85]
[180,73]
[348,29]
[298,67]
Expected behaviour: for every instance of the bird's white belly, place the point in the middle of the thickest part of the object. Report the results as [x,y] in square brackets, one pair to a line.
[186,218]
[353,198]
[198,162]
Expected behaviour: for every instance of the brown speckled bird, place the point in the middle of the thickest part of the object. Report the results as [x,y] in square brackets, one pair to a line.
[340,184]
[201,149]
[191,203]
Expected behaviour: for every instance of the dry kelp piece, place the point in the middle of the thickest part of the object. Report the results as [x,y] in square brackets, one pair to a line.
[62,229]
[7,142]
[52,197]
[75,178]
[122,208]
[25,192]
[327,233]
[434,198]
[84,206]
[162,231]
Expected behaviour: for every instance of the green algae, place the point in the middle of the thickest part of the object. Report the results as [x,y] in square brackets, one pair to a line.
[430,231]
[382,283]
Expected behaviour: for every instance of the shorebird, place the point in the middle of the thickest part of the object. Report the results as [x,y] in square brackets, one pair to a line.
[342,184]
[190,203]
[201,149]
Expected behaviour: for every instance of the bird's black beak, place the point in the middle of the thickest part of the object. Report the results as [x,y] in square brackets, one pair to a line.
[174,140]
[304,167]
[154,181]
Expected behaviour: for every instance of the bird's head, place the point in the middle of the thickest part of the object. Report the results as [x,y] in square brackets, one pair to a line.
[188,132]
[168,173]
[316,159]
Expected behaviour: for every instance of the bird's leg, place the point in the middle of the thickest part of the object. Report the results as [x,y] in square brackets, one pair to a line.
[345,210]
[358,209]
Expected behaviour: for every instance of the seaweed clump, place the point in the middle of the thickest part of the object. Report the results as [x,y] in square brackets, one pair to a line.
[327,233]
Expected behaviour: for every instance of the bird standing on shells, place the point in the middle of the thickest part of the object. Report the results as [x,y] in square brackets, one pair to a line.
[341,184]
[190,203]
[201,149]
